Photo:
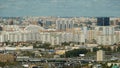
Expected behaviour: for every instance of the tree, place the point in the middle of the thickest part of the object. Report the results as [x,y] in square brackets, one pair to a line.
[94,41]
[118,49]
[28,53]
[104,65]
[2,64]
[95,49]
[43,45]
[46,45]
[83,43]
[75,52]
[65,43]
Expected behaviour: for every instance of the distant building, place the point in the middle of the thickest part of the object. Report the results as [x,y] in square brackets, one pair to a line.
[103,21]
[105,35]
[57,30]
[117,33]
[100,55]
[64,24]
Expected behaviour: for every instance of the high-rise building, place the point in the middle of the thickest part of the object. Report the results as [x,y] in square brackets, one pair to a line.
[100,55]
[64,24]
[103,21]
[105,35]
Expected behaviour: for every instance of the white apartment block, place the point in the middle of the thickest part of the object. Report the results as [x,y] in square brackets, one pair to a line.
[104,35]
[64,24]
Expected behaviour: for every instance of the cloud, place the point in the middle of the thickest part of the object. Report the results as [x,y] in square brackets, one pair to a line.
[3,6]
[60,7]
[54,1]
[12,0]
[95,0]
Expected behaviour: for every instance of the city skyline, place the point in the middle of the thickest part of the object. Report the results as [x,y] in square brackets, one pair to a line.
[59,8]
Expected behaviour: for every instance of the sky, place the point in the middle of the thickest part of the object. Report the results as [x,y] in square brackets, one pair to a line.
[59,8]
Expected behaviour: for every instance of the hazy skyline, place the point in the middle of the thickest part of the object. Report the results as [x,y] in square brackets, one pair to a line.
[59,7]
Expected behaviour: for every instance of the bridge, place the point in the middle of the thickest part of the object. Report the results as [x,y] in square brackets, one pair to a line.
[50,60]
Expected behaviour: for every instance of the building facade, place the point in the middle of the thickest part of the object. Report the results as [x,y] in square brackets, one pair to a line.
[100,55]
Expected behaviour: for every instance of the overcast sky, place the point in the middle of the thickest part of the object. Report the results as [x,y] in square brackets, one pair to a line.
[59,7]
